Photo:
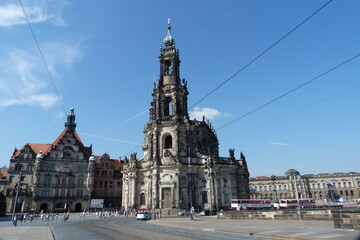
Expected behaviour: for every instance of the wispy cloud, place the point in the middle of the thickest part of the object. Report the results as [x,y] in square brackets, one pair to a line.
[209,113]
[278,143]
[109,139]
[59,115]
[136,116]
[37,11]
[24,80]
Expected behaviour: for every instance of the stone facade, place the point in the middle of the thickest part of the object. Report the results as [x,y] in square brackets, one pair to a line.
[52,177]
[317,186]
[181,167]
[108,181]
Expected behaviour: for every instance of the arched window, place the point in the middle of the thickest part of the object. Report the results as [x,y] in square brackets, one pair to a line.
[339,184]
[142,199]
[350,185]
[204,197]
[168,106]
[168,141]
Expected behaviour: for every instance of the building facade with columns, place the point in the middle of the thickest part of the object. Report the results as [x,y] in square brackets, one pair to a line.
[181,167]
[52,177]
[321,186]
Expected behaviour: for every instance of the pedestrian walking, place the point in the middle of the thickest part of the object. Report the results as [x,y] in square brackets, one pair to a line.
[15,221]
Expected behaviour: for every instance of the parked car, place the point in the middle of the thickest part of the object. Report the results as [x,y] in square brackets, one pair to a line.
[202,213]
[143,216]
[184,213]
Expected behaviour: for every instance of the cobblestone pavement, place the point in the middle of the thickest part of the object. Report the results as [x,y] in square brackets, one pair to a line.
[173,228]
[277,229]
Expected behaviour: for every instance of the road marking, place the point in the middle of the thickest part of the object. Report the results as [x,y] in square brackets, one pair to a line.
[272,231]
[304,233]
[208,229]
[331,236]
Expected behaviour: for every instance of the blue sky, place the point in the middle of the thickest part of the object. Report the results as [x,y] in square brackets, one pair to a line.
[102,56]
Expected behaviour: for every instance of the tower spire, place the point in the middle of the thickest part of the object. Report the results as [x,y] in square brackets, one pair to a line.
[169,41]
[70,123]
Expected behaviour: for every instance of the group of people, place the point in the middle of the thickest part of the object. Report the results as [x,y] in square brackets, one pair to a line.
[22,217]
[54,217]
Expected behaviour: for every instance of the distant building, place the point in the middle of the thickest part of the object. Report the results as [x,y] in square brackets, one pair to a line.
[3,181]
[3,168]
[108,181]
[53,177]
[181,167]
[318,186]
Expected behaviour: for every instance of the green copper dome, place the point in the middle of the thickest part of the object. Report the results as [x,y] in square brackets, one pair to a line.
[92,158]
[169,41]
[40,155]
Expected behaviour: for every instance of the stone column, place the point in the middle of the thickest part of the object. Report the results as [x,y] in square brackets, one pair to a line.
[155,190]
[177,190]
[133,190]
[217,197]
[149,192]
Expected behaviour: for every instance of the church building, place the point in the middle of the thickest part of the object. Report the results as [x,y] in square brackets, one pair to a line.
[181,167]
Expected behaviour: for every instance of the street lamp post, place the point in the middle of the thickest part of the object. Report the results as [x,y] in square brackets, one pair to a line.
[274,187]
[210,190]
[17,194]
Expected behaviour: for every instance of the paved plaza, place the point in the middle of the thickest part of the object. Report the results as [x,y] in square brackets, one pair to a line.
[246,229]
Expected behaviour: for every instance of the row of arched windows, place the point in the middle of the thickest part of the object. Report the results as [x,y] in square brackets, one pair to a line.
[265,188]
[335,184]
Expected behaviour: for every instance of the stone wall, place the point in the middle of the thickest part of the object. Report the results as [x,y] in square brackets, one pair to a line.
[346,218]
[321,215]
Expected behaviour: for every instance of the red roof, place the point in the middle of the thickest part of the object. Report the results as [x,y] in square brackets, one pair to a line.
[118,163]
[46,148]
[4,175]
[35,147]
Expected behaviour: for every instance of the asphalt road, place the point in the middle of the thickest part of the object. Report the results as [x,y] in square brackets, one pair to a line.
[171,228]
[130,228]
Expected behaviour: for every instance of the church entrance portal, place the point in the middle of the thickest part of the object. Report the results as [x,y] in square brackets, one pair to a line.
[166,192]
[43,207]
[78,207]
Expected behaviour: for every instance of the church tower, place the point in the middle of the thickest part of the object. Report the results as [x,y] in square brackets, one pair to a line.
[170,95]
[181,167]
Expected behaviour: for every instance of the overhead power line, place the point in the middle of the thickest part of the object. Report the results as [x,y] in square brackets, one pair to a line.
[293,90]
[293,112]
[42,57]
[261,54]
[133,149]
